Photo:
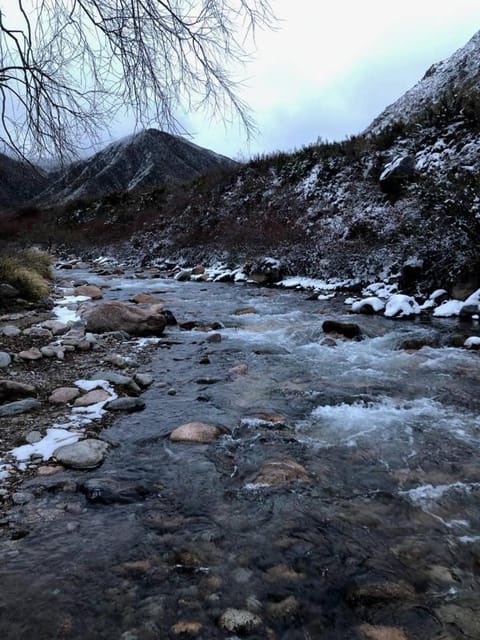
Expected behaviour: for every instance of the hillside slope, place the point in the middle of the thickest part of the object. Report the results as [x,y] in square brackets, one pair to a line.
[19,182]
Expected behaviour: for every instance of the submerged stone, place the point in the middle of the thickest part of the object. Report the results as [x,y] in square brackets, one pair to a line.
[199,432]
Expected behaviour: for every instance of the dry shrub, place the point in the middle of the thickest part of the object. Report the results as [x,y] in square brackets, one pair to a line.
[28,273]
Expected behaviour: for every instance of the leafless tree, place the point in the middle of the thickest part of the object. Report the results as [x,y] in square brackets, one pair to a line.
[67,67]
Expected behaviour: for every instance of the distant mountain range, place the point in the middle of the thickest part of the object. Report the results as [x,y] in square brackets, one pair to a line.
[150,158]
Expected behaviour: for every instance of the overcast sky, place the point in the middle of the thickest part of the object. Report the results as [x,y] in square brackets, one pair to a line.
[331,67]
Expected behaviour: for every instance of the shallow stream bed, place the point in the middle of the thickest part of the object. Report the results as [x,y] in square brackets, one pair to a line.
[379,534]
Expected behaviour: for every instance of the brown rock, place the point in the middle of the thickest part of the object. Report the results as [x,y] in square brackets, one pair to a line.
[283,572]
[370,632]
[92,397]
[215,337]
[276,418]
[63,395]
[198,270]
[30,354]
[49,470]
[89,290]
[10,390]
[142,298]
[121,316]
[378,592]
[239,369]
[279,472]
[286,609]
[135,567]
[195,432]
[245,311]
[187,628]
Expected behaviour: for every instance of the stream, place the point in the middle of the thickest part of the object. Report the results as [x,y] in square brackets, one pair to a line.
[379,534]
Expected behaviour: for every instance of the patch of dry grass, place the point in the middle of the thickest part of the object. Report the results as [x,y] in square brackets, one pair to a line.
[29,272]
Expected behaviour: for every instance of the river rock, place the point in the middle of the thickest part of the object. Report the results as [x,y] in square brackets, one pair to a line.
[274,473]
[214,337]
[112,491]
[10,331]
[196,432]
[9,390]
[265,270]
[378,592]
[63,395]
[187,628]
[30,354]
[198,270]
[121,382]
[286,609]
[169,318]
[86,454]
[38,332]
[47,351]
[122,316]
[142,298]
[183,275]
[5,359]
[414,344]
[143,380]
[126,404]
[92,397]
[346,329]
[244,311]
[370,632]
[55,326]
[239,621]
[89,290]
[19,407]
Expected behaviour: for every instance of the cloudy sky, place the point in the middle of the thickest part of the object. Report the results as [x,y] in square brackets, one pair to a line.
[331,67]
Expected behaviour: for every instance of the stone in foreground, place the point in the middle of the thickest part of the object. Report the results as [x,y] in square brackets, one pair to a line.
[121,316]
[64,395]
[19,407]
[195,432]
[239,620]
[86,454]
[125,404]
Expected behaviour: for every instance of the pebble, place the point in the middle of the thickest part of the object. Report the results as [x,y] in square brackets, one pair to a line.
[10,331]
[199,432]
[125,404]
[143,380]
[172,392]
[92,397]
[5,359]
[30,354]
[63,395]
[33,437]
[240,620]
[38,332]
[47,352]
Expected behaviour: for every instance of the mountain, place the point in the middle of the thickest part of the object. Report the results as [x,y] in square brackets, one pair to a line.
[148,159]
[19,182]
[401,200]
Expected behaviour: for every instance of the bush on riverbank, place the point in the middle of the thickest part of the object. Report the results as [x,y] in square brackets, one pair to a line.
[28,272]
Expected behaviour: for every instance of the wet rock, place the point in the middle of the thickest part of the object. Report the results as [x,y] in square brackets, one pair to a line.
[11,390]
[33,437]
[128,405]
[244,311]
[30,354]
[10,331]
[285,610]
[370,632]
[143,380]
[379,592]
[119,381]
[239,621]
[346,329]
[468,311]
[199,432]
[86,454]
[198,270]
[121,316]
[172,392]
[276,473]
[214,337]
[142,298]
[414,344]
[5,359]
[239,369]
[189,325]
[169,317]
[111,491]
[207,380]
[184,627]
[89,290]
[63,395]
[92,397]
[19,407]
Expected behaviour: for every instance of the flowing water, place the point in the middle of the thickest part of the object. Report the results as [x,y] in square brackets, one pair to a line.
[381,530]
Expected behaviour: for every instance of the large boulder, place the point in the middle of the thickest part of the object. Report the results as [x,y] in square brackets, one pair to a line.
[122,316]
[265,270]
[396,174]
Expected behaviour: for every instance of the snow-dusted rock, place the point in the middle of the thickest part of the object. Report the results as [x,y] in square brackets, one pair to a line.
[396,173]
[448,308]
[368,305]
[401,306]
[472,343]
[265,270]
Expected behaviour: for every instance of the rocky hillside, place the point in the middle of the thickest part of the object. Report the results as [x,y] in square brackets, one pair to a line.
[148,159]
[402,198]
[19,182]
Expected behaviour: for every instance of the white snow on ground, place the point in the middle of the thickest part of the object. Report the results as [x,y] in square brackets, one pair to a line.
[4,471]
[380,290]
[66,308]
[54,439]
[431,302]
[428,493]
[89,385]
[299,282]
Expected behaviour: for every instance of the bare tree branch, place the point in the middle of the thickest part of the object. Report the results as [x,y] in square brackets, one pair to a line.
[68,67]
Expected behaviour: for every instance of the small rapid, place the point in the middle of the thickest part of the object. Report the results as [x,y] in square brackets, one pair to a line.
[377,531]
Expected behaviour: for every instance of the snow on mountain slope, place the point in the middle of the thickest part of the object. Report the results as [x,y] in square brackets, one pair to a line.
[147,159]
[458,72]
